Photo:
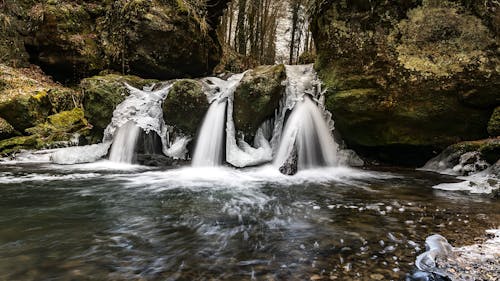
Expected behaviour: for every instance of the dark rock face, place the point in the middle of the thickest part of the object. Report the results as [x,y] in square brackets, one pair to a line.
[408,76]
[257,97]
[494,123]
[72,40]
[290,167]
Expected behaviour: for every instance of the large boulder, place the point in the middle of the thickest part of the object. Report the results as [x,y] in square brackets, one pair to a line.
[6,129]
[71,40]
[409,78]
[257,97]
[101,95]
[185,107]
[27,97]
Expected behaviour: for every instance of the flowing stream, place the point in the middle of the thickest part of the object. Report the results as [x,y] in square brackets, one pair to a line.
[97,222]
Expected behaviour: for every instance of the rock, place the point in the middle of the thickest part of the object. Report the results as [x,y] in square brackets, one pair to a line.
[12,28]
[27,97]
[399,88]
[466,158]
[15,144]
[61,129]
[290,167]
[71,40]
[6,130]
[101,96]
[494,123]
[154,160]
[257,97]
[185,106]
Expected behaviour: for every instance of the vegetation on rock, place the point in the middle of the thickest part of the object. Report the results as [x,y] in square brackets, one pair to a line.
[185,107]
[257,97]
[410,76]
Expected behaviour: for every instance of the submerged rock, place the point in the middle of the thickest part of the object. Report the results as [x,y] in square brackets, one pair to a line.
[399,88]
[257,97]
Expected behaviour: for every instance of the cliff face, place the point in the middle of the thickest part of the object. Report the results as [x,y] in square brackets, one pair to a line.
[409,77]
[72,40]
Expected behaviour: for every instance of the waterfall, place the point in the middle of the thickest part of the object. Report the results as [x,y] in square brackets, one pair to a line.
[210,145]
[124,143]
[307,133]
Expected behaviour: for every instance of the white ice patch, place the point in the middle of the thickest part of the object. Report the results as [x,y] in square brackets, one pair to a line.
[80,154]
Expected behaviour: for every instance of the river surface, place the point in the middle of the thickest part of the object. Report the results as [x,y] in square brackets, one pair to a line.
[95,222]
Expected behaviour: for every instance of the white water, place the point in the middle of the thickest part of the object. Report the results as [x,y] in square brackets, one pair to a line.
[124,143]
[308,131]
[210,145]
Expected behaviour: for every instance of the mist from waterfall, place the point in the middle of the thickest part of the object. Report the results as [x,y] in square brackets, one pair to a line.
[307,133]
[124,143]
[210,147]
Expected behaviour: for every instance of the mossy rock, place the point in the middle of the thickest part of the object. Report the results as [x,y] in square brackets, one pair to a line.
[101,95]
[396,80]
[489,149]
[62,127]
[257,97]
[59,130]
[185,106]
[494,123]
[6,130]
[15,144]
[27,97]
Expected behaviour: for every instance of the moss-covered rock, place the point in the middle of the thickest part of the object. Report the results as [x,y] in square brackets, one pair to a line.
[71,40]
[27,97]
[101,95]
[59,130]
[408,76]
[488,148]
[494,123]
[185,106]
[257,97]
[6,130]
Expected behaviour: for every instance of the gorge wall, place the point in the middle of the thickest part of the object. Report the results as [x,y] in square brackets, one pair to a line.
[407,78]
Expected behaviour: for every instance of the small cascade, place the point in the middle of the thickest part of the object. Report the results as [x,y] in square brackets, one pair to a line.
[307,133]
[141,114]
[209,149]
[124,143]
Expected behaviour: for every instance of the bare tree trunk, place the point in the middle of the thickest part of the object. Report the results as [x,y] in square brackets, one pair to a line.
[240,28]
[295,6]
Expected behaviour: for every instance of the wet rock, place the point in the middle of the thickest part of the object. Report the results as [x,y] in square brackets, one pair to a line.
[399,88]
[185,106]
[290,167]
[101,96]
[154,160]
[257,97]
[494,123]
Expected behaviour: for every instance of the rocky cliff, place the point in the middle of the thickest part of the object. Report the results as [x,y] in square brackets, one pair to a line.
[407,78]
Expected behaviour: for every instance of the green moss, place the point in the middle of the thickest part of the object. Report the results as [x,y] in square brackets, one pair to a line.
[494,123]
[257,97]
[185,106]
[61,127]
[101,96]
[6,129]
[489,148]
[11,145]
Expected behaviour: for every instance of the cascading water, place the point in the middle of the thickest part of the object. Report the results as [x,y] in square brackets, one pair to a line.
[124,143]
[210,146]
[307,133]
